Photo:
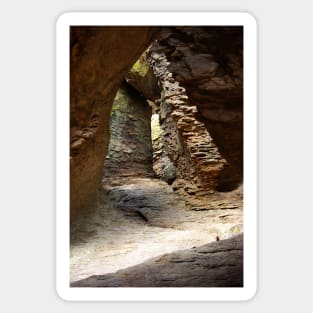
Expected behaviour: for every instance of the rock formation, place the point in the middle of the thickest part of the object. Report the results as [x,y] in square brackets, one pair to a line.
[218,264]
[186,141]
[208,63]
[191,79]
[194,75]
[130,148]
[100,57]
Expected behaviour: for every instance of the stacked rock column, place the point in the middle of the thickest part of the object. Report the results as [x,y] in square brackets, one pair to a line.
[201,162]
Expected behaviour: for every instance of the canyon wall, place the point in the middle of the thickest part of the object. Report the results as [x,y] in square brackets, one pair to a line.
[100,57]
[194,76]
[130,147]
[208,63]
[186,142]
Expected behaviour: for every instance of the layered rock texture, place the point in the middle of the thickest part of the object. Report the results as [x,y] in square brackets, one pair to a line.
[194,76]
[137,219]
[211,265]
[208,63]
[168,211]
[130,148]
[186,141]
[100,57]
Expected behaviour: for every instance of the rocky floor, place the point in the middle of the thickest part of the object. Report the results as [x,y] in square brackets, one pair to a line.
[217,264]
[137,219]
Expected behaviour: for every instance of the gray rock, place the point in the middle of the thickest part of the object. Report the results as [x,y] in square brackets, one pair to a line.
[168,171]
[219,264]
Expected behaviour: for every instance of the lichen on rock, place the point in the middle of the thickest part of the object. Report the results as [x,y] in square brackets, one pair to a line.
[140,67]
[130,148]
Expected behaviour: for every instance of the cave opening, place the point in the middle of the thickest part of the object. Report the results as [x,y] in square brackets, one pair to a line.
[171,178]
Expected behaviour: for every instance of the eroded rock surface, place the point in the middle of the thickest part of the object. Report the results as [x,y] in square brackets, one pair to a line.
[194,77]
[141,218]
[218,264]
[142,78]
[208,63]
[185,140]
[130,148]
[100,57]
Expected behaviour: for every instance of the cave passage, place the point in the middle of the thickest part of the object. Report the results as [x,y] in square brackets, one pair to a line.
[171,192]
[138,215]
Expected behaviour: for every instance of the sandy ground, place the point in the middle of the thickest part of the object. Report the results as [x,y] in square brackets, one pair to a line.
[140,218]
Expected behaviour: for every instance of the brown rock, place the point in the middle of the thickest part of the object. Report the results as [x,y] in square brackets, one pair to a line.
[208,63]
[100,59]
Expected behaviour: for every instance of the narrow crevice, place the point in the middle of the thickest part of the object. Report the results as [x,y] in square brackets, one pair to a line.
[156,157]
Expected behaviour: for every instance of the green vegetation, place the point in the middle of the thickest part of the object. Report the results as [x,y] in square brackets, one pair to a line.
[120,102]
[140,67]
